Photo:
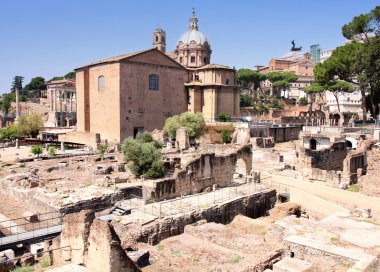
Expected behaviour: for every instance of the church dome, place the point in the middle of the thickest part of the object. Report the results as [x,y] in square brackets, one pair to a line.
[193,35]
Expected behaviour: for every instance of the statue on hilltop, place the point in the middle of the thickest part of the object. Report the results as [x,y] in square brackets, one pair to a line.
[294,48]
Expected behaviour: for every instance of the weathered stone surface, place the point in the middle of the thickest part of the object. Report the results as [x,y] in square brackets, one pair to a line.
[6,260]
[366,213]
[140,257]
[27,259]
[30,217]
[101,169]
[105,253]
[182,139]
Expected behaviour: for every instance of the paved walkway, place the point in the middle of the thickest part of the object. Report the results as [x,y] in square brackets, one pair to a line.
[329,193]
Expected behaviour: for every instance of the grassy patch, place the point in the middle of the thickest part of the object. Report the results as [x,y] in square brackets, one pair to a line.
[298,222]
[23,269]
[44,261]
[204,206]
[354,188]
[176,253]
[234,259]
[160,247]
[196,260]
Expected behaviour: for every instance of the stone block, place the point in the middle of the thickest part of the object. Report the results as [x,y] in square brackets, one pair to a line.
[288,264]
[182,139]
[30,217]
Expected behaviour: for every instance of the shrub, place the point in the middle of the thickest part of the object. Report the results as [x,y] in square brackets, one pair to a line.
[44,261]
[226,136]
[102,150]
[29,125]
[223,118]
[9,132]
[245,100]
[145,155]
[303,101]
[26,268]
[193,122]
[37,150]
[52,151]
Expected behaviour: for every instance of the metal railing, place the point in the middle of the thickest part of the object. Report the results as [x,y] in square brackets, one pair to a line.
[189,203]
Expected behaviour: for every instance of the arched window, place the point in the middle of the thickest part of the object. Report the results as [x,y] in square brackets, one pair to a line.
[154,82]
[101,83]
[156,38]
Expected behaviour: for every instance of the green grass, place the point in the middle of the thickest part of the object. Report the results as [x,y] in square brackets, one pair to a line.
[176,253]
[204,206]
[354,188]
[44,261]
[234,259]
[196,260]
[160,247]
[23,269]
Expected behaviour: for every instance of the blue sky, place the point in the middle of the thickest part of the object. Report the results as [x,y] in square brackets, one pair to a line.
[52,37]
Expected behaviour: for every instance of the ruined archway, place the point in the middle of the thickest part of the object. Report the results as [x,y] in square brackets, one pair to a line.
[313,144]
[348,144]
[336,119]
[240,173]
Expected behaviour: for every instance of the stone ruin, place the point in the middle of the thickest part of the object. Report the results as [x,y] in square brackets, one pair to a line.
[91,242]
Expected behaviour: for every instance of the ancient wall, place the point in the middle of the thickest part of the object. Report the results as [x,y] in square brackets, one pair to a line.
[330,178]
[199,174]
[326,159]
[92,243]
[253,206]
[284,134]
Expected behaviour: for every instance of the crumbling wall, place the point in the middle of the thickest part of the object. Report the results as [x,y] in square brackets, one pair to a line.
[326,159]
[199,174]
[330,178]
[105,253]
[284,134]
[90,242]
[254,206]
[75,232]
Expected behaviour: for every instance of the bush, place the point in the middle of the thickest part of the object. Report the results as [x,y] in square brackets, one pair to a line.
[245,100]
[26,268]
[37,150]
[44,261]
[145,155]
[303,101]
[226,136]
[193,122]
[52,151]
[102,150]
[223,118]
[29,125]
[9,132]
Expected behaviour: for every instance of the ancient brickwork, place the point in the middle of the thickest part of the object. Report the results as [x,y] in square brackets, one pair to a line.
[253,206]
[199,174]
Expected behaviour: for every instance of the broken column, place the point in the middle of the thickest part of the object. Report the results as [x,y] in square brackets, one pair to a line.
[182,139]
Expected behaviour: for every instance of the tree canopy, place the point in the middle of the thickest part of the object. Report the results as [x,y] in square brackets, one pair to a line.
[29,125]
[193,122]
[145,155]
[35,86]
[249,79]
[281,80]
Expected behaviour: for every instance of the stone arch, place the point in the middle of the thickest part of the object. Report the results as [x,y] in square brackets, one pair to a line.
[245,155]
[348,144]
[313,144]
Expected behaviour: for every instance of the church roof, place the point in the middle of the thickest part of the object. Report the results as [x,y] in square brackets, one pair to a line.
[214,66]
[116,58]
[193,34]
[130,55]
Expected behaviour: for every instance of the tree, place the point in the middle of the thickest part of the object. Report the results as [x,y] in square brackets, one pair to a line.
[312,91]
[35,86]
[9,133]
[339,87]
[368,61]
[223,118]
[366,28]
[70,75]
[17,83]
[226,136]
[37,150]
[246,100]
[56,78]
[193,122]
[29,125]
[251,80]
[145,155]
[281,80]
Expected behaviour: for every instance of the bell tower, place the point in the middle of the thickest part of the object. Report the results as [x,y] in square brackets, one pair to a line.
[159,39]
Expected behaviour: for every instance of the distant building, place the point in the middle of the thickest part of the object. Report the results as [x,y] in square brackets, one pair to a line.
[124,95]
[325,54]
[61,96]
[315,52]
[293,61]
